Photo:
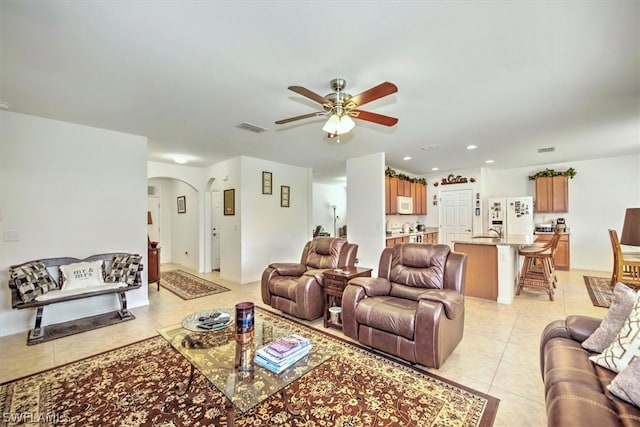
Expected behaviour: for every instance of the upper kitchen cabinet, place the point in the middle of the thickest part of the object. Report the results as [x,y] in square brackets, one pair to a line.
[552,194]
[394,187]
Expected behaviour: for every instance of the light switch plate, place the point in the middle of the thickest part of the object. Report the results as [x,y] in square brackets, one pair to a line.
[11,236]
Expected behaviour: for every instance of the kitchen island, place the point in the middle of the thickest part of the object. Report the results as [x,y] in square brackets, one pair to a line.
[493,266]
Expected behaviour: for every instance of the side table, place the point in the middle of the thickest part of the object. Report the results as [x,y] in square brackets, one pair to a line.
[153,257]
[334,282]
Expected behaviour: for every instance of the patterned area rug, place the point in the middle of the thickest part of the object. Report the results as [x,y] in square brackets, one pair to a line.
[135,386]
[600,290]
[188,286]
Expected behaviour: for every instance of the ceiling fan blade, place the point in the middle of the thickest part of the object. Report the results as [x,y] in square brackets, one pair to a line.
[303,116]
[373,117]
[383,89]
[309,94]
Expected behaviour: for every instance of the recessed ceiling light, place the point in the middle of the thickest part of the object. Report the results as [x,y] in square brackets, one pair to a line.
[181,160]
[471,147]
[4,105]
[490,161]
[435,169]
[430,147]
[406,158]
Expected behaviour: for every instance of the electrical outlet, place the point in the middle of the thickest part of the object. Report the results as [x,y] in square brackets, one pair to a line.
[11,236]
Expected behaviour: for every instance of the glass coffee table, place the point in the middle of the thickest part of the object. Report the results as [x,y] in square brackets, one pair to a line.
[229,365]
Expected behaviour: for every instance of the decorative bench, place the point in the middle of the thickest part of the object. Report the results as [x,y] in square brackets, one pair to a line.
[39,283]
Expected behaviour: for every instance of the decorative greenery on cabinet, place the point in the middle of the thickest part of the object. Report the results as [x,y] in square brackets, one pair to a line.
[571,172]
[393,174]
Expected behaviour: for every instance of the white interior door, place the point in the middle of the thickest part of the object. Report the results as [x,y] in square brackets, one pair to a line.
[153,206]
[456,215]
[216,215]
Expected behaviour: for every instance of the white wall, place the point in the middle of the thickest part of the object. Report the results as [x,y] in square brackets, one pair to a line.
[185,231]
[271,233]
[366,200]
[598,197]
[69,190]
[325,196]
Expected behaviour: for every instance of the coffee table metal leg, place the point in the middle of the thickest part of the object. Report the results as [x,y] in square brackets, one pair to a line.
[183,388]
[231,413]
[294,410]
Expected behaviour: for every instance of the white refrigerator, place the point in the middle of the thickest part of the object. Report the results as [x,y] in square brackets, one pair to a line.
[511,215]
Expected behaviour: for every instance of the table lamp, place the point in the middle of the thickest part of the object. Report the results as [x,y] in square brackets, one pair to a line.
[631,228]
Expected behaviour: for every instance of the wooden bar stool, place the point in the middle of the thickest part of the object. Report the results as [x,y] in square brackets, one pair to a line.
[537,268]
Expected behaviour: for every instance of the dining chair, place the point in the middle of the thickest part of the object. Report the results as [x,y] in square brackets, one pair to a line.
[626,265]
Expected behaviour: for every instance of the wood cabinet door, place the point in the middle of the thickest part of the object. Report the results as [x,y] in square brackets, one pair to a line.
[407,188]
[544,193]
[393,195]
[422,190]
[560,194]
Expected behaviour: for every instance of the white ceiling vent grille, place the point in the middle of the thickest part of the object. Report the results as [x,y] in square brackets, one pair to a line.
[546,150]
[251,127]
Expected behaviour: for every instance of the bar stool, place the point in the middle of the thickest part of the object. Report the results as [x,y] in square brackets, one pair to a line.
[537,268]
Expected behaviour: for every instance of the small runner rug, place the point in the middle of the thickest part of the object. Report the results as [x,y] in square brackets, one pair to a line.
[600,290]
[188,286]
[135,386]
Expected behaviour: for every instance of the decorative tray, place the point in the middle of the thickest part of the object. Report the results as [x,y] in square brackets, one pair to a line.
[192,321]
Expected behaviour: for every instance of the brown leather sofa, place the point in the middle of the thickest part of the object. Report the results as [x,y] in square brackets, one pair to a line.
[414,309]
[575,388]
[296,288]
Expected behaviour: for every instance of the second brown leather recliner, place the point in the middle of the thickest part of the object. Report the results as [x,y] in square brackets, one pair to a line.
[414,309]
[296,288]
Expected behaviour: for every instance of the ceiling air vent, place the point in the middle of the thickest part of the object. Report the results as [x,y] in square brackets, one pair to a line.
[251,127]
[547,150]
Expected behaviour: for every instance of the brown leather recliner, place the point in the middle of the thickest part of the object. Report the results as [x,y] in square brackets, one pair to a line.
[414,309]
[296,288]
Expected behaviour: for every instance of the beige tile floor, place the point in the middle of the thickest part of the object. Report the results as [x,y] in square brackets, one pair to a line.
[498,354]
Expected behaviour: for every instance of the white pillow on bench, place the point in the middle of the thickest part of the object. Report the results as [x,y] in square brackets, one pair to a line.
[82,275]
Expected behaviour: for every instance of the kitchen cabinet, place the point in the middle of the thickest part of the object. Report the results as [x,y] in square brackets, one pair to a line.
[393,241]
[552,194]
[420,200]
[561,259]
[394,187]
[391,195]
[431,238]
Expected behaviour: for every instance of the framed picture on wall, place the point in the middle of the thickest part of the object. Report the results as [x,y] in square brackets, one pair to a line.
[266,183]
[229,202]
[284,196]
[182,204]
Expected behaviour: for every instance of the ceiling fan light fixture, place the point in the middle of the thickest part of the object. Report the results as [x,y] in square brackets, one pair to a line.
[338,125]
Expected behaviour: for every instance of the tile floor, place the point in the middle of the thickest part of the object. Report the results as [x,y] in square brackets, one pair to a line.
[498,354]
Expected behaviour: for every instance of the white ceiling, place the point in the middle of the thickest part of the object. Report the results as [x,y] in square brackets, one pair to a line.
[509,77]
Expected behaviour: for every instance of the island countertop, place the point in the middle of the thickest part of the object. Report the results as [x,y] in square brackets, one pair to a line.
[509,240]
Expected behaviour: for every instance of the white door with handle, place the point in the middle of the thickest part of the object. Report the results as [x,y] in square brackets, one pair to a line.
[216,215]
[456,216]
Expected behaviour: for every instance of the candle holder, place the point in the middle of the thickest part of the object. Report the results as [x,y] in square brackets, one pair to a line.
[244,322]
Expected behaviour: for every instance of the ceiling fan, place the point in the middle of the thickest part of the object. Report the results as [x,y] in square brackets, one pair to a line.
[341,106]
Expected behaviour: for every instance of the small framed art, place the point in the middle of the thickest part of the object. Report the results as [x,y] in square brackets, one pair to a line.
[284,196]
[182,204]
[229,202]
[266,183]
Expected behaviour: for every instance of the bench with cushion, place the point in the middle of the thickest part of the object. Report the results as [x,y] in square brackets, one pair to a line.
[39,283]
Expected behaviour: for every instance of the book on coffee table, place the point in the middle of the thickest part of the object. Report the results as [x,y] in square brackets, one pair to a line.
[282,353]
[276,365]
[286,346]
